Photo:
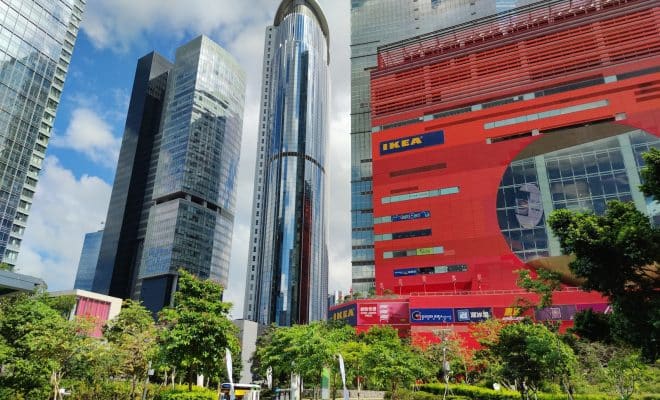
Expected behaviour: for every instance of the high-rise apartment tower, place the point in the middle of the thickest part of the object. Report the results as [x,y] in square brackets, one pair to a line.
[375,23]
[287,277]
[36,44]
[174,196]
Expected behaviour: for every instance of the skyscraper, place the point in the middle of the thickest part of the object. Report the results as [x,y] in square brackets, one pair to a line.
[375,23]
[89,256]
[174,197]
[36,44]
[287,280]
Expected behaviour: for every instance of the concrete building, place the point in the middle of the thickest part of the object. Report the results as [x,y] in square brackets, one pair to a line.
[376,23]
[249,331]
[95,307]
[287,279]
[479,132]
[36,45]
[11,282]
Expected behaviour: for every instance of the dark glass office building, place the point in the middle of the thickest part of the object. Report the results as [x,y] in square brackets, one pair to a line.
[36,44]
[287,280]
[89,256]
[174,195]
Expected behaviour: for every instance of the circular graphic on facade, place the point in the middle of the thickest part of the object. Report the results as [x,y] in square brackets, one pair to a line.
[529,207]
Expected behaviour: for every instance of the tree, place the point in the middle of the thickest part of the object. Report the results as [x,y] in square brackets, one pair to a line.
[546,283]
[5,267]
[45,347]
[133,333]
[617,254]
[196,329]
[390,363]
[651,173]
[592,326]
[304,350]
[531,354]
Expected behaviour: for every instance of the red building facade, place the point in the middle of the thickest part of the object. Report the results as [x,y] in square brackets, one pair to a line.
[480,131]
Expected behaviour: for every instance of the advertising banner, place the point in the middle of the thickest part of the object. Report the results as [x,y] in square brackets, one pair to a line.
[600,308]
[511,313]
[412,142]
[411,216]
[472,314]
[383,313]
[424,251]
[431,315]
[556,313]
[346,313]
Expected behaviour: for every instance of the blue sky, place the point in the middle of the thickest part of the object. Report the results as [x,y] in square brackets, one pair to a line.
[75,184]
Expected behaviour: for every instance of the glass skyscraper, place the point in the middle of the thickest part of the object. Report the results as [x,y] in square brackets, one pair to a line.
[287,280]
[89,256]
[174,196]
[375,23]
[36,44]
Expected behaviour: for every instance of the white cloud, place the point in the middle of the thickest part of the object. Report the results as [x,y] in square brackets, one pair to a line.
[239,26]
[65,208]
[119,24]
[91,135]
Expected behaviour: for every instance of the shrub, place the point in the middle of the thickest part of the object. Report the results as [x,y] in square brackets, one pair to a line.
[404,394]
[183,394]
[479,393]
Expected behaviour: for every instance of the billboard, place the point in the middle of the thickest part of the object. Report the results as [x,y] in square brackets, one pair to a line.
[431,315]
[472,314]
[411,216]
[395,313]
[511,313]
[412,142]
[555,313]
[600,308]
[346,313]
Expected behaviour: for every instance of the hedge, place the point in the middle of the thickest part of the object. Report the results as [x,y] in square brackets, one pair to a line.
[184,394]
[479,393]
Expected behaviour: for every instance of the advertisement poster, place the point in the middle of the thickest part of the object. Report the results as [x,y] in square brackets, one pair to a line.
[412,142]
[411,216]
[556,313]
[511,313]
[472,314]
[599,308]
[347,313]
[529,210]
[383,313]
[431,315]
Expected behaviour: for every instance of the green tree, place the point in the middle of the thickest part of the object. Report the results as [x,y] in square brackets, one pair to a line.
[389,362]
[196,330]
[617,254]
[304,350]
[133,334]
[592,326]
[651,173]
[5,267]
[45,347]
[624,372]
[544,285]
[531,354]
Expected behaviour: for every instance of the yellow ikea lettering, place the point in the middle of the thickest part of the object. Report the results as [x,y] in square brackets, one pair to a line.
[416,141]
[405,143]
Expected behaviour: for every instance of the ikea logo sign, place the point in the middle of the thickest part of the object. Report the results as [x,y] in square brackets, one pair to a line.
[412,142]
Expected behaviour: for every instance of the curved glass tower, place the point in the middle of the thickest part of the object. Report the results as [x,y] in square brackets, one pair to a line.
[287,280]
